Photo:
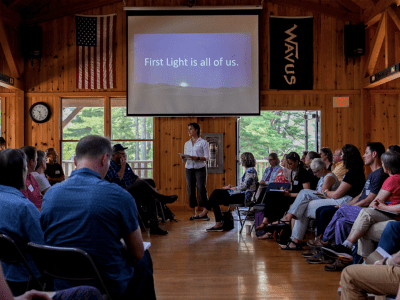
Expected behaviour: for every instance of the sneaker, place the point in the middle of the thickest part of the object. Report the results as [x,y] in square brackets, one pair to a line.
[215,229]
[338,265]
[310,253]
[320,258]
[338,251]
[158,231]
[205,218]
[192,218]
[317,243]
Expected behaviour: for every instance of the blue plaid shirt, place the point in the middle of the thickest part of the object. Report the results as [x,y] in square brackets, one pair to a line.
[127,180]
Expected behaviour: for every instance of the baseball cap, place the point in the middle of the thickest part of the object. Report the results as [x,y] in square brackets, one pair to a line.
[118,147]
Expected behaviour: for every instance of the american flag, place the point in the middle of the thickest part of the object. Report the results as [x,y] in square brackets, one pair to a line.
[95,53]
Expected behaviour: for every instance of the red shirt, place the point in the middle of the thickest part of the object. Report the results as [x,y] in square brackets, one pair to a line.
[392,184]
[32,191]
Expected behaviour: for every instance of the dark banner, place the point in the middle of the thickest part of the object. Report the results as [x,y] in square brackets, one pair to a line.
[291,50]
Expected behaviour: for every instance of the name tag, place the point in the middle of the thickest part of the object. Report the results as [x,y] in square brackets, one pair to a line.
[30,187]
[367,192]
[57,172]
[296,182]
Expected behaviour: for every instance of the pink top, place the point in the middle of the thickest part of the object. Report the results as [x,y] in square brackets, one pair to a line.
[32,191]
[392,184]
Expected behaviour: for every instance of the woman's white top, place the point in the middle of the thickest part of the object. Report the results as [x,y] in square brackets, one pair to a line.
[322,179]
[41,180]
[199,149]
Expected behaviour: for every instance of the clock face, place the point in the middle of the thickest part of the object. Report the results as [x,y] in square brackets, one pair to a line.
[40,112]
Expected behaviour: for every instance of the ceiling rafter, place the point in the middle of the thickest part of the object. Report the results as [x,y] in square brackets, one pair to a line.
[350,5]
[371,15]
[390,57]
[338,13]
[67,10]
[394,13]
[10,17]
[376,47]
[364,4]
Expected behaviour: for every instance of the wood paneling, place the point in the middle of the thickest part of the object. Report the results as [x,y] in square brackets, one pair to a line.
[372,119]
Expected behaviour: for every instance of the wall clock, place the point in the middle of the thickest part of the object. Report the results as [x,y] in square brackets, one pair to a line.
[40,112]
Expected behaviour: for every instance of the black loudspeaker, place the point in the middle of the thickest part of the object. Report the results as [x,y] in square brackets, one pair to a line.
[354,40]
[31,42]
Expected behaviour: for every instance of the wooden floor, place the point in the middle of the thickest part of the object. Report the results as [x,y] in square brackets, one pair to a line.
[190,263]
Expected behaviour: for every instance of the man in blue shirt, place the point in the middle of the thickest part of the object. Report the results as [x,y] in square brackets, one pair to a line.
[92,214]
[143,191]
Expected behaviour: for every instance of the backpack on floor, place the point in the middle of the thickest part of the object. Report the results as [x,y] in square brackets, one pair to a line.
[282,234]
[227,220]
[258,218]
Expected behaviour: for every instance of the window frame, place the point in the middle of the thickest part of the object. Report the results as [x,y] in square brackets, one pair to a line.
[107,128]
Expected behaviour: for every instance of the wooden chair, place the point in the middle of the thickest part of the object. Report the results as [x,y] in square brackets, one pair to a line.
[70,264]
[11,254]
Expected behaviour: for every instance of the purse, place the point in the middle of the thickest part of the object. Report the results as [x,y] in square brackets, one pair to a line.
[227,220]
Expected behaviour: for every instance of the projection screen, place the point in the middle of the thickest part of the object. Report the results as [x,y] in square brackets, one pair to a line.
[193,62]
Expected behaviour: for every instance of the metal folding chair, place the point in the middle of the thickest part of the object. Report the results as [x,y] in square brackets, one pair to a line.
[70,264]
[10,253]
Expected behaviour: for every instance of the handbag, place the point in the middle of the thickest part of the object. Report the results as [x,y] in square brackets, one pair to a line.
[227,220]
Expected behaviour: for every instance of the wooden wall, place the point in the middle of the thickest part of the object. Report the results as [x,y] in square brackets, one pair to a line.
[371,116]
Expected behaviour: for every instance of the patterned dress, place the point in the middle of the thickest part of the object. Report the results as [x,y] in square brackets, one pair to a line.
[247,184]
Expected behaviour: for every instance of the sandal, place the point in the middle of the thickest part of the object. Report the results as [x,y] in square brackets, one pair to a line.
[280,223]
[262,226]
[296,248]
[266,236]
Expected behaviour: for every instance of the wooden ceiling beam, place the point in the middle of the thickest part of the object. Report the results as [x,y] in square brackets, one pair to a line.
[371,15]
[350,5]
[338,13]
[68,10]
[394,13]
[34,7]
[390,57]
[376,47]
[364,4]
[8,53]
[10,17]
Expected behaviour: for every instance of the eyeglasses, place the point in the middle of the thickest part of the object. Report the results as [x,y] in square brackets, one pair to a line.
[269,159]
[315,172]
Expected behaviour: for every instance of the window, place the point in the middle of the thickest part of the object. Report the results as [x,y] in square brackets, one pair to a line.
[81,117]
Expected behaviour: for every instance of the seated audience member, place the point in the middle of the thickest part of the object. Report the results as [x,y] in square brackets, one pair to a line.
[394,148]
[390,238]
[285,176]
[339,170]
[3,145]
[32,191]
[19,218]
[54,170]
[327,181]
[92,214]
[350,187]
[335,222]
[278,202]
[381,279]
[327,156]
[309,158]
[121,173]
[371,222]
[232,194]
[303,157]
[272,171]
[78,293]
[343,218]
[39,175]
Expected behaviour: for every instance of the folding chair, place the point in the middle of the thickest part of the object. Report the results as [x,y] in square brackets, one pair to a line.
[10,253]
[70,264]
[261,205]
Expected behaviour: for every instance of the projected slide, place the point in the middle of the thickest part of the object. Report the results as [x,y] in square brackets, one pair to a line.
[192,73]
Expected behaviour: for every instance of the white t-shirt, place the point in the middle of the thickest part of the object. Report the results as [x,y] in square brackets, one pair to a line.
[199,149]
[41,180]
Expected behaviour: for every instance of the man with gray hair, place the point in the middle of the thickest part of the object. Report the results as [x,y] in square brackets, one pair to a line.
[94,215]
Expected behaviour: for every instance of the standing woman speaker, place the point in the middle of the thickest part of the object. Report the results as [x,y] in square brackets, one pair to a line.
[195,169]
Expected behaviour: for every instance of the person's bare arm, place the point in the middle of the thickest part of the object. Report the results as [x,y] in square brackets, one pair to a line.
[344,187]
[355,199]
[328,182]
[56,180]
[134,243]
[306,185]
[365,202]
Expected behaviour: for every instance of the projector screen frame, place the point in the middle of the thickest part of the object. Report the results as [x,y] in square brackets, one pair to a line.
[196,11]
